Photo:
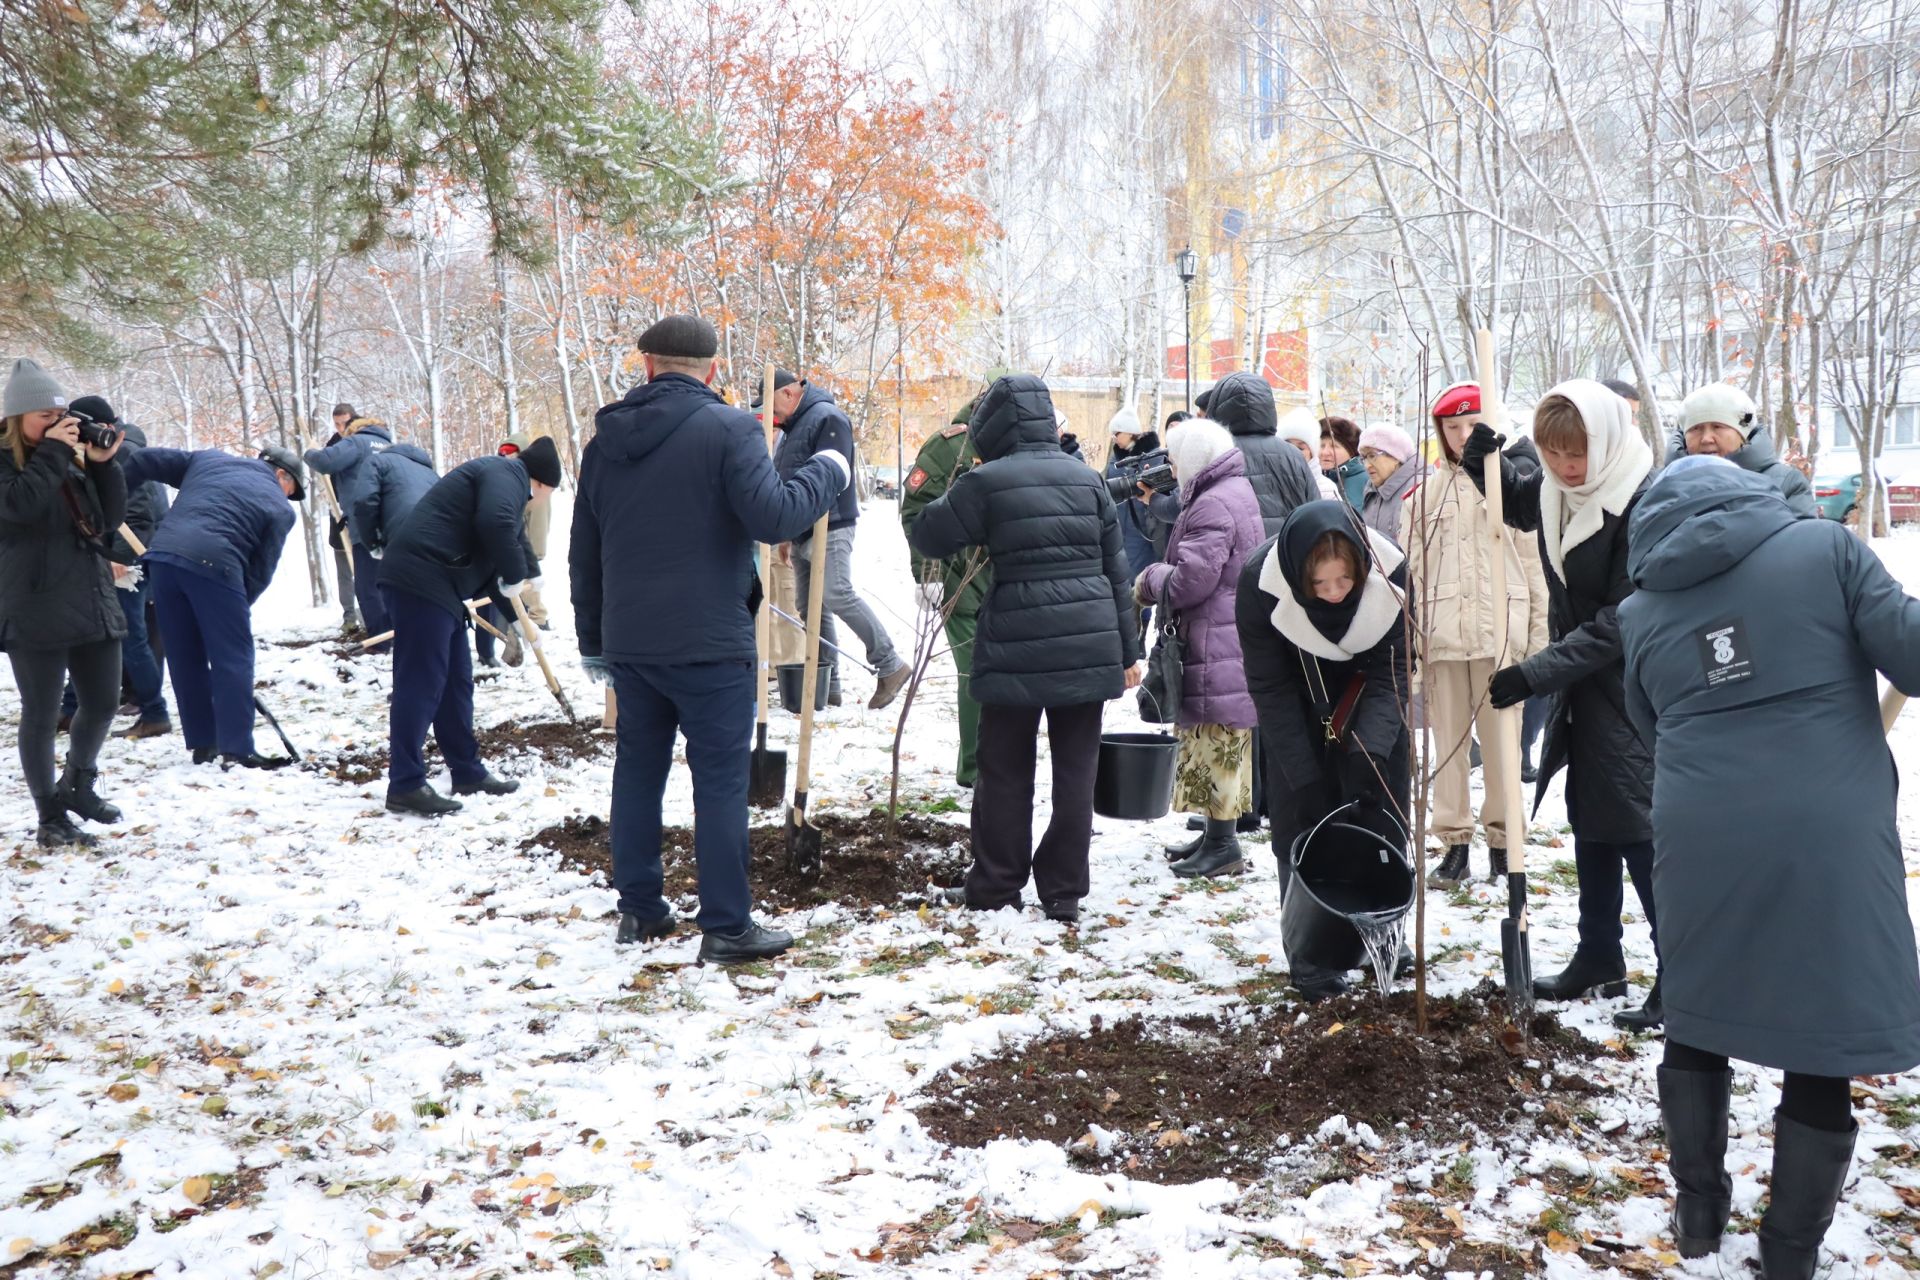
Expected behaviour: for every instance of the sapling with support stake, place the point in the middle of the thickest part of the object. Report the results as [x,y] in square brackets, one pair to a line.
[927,630]
[1515,955]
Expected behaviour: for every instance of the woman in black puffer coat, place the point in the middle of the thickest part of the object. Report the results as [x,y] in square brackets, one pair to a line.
[58,613]
[1056,637]
[1320,609]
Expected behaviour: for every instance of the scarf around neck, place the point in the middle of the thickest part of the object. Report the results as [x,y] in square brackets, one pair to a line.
[1617,461]
[1335,632]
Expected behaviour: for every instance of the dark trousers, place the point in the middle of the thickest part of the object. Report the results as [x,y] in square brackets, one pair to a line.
[138,664]
[432,686]
[1533,718]
[712,704]
[1601,896]
[1819,1102]
[1003,849]
[40,675]
[366,590]
[208,627]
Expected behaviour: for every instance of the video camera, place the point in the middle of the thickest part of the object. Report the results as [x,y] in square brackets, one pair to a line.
[100,435]
[1151,469]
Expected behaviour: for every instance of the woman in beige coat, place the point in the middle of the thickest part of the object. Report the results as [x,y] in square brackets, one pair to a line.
[1449,565]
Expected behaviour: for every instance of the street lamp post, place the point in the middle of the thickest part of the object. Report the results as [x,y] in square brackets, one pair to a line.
[1187,264]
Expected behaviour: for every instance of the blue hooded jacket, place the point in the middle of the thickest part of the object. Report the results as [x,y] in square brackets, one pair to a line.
[345,463]
[675,489]
[817,424]
[230,521]
[396,480]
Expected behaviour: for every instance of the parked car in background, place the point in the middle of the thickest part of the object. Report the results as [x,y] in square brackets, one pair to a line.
[1836,495]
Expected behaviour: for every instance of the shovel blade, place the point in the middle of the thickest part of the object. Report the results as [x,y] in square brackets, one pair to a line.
[766,778]
[1517,963]
[803,844]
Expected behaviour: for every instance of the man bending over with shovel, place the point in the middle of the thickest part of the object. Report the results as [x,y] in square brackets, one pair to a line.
[675,490]
[467,537]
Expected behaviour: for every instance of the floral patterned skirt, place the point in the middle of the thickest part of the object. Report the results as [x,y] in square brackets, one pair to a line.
[1214,774]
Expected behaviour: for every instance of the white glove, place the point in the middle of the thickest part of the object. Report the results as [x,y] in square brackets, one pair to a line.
[932,596]
[376,552]
[512,590]
[839,460]
[127,577]
[537,581]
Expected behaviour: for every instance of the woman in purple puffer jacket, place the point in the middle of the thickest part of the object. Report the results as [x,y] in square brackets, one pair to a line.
[1218,528]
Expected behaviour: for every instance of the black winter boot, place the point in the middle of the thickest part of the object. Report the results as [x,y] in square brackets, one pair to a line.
[1581,976]
[633,929]
[488,785]
[423,801]
[56,830]
[1693,1104]
[1809,1171]
[1219,853]
[77,794]
[1453,868]
[1185,848]
[1496,865]
[1647,1017]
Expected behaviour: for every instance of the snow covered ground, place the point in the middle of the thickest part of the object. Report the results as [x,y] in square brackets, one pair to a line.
[268,1029]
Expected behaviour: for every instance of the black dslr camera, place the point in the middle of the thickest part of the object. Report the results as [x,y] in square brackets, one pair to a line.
[1151,469]
[100,435]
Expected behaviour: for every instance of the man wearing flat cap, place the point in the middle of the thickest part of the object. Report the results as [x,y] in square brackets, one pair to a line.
[676,488]
[813,422]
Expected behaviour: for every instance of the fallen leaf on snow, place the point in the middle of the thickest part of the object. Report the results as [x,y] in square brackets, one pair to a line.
[196,1190]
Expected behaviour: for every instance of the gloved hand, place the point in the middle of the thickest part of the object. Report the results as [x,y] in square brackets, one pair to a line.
[512,590]
[1363,779]
[839,460]
[1473,454]
[1509,687]
[597,670]
[933,596]
[376,552]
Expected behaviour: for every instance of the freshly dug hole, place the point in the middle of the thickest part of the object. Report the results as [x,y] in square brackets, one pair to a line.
[1209,1097]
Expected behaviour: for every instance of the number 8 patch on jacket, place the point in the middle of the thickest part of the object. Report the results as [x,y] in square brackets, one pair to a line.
[1724,655]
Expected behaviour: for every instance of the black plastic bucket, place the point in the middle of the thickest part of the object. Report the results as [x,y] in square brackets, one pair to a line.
[793,677]
[1341,873]
[1135,778]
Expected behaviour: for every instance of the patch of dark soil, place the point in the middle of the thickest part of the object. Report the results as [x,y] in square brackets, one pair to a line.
[554,741]
[355,763]
[1207,1097]
[858,867]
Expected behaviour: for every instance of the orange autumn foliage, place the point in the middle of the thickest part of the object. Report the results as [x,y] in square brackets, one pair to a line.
[851,210]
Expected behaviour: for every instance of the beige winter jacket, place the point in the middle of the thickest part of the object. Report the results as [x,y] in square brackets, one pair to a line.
[1445,525]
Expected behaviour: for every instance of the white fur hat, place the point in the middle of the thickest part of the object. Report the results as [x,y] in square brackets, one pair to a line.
[1125,422]
[1194,444]
[1719,402]
[1300,424]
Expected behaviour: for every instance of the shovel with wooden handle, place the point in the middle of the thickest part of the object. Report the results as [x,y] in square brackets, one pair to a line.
[473,611]
[1892,703]
[532,633]
[767,774]
[803,839]
[1516,957]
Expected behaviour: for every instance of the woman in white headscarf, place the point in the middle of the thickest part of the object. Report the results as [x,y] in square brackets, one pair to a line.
[1596,466]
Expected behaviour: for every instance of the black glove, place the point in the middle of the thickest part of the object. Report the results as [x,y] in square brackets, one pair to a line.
[1362,778]
[1509,687]
[1474,453]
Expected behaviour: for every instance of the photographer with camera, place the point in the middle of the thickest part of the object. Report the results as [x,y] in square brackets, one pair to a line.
[62,495]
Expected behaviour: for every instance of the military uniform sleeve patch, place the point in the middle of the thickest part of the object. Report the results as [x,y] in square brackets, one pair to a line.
[916,478]
[956,429]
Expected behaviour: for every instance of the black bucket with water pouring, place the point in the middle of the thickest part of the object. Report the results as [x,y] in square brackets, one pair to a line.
[1345,878]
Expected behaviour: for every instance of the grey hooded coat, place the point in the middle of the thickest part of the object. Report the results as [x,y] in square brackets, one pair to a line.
[1751,647]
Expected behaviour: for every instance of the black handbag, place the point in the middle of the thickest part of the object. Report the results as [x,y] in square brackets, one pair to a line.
[1159,694]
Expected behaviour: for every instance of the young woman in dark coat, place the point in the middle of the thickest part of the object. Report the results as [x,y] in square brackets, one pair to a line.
[1596,467]
[1319,611]
[1056,638]
[58,613]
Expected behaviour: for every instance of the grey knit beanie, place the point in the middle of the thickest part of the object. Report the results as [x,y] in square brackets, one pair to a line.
[30,389]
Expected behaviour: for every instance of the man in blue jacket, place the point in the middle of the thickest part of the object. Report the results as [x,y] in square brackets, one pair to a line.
[345,462]
[675,490]
[466,537]
[812,422]
[210,560]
